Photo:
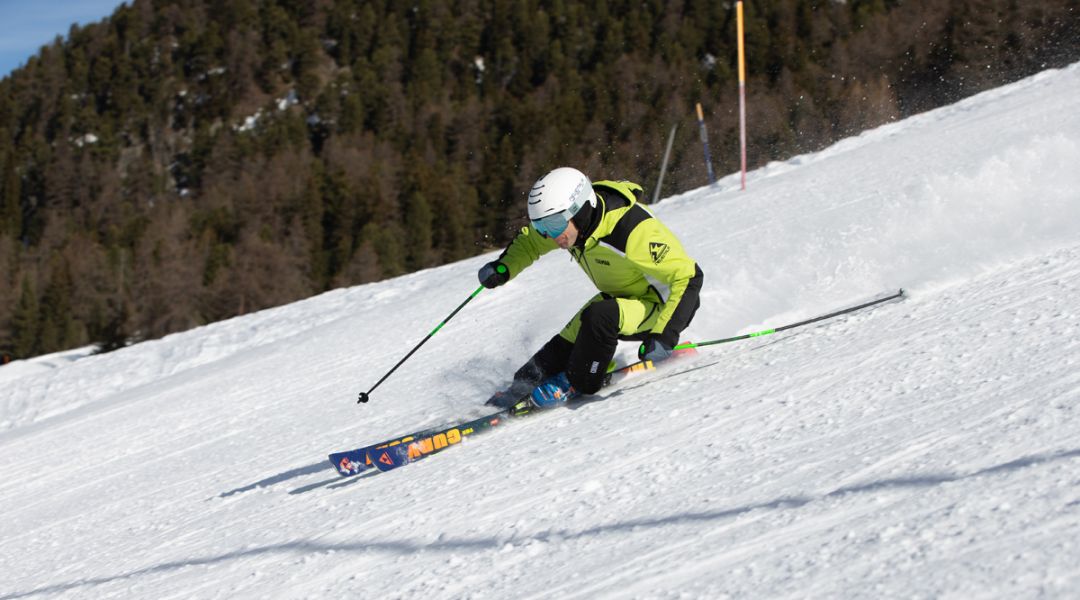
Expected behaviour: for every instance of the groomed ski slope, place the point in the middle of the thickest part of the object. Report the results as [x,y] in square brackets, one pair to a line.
[927,448]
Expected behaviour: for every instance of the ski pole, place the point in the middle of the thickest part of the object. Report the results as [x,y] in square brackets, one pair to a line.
[892,296]
[747,336]
[364,395]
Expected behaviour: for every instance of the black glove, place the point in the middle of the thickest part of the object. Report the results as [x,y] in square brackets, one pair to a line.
[655,349]
[493,274]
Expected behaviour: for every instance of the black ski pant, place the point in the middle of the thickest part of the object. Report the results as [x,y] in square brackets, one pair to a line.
[585,358]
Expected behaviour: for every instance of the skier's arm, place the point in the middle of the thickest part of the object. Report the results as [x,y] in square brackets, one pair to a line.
[525,249]
[661,257]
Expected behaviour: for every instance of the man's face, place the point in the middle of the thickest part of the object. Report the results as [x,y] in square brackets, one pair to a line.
[567,238]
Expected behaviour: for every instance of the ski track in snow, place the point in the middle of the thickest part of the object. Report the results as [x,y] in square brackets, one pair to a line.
[925,448]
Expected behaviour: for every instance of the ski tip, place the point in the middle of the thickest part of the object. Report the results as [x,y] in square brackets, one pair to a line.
[348,464]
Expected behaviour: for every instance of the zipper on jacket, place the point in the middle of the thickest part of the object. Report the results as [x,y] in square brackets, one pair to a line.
[579,256]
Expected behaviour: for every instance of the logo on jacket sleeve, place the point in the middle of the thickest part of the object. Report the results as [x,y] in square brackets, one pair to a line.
[659,251]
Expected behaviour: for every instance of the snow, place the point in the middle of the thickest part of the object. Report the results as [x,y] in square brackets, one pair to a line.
[45,362]
[85,140]
[250,122]
[926,448]
[290,99]
[284,103]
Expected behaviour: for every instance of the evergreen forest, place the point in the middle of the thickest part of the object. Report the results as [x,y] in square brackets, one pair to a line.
[185,161]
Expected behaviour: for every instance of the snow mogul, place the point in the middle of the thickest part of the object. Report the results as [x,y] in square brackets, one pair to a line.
[649,286]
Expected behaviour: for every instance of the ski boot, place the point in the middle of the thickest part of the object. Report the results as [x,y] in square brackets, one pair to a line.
[518,391]
[554,391]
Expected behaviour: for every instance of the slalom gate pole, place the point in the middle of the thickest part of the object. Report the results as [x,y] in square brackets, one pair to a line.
[364,395]
[892,296]
[742,89]
[663,165]
[705,143]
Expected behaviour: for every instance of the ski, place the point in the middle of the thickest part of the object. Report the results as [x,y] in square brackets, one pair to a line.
[395,452]
[398,454]
[354,462]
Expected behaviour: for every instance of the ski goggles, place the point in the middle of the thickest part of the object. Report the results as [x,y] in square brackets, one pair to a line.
[552,226]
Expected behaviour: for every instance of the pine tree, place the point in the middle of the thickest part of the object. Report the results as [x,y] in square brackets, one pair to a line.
[418,220]
[25,322]
[58,327]
[10,210]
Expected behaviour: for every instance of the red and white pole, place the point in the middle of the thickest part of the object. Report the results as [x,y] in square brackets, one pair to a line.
[742,90]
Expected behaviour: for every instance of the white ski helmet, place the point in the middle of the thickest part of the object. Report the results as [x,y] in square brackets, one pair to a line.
[556,197]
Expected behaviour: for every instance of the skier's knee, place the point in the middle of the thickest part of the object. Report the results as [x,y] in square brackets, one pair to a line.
[600,320]
[585,381]
[594,347]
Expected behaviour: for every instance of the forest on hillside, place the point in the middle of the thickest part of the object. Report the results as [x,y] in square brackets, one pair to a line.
[185,161]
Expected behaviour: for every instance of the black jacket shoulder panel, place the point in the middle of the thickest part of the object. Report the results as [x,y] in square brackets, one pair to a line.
[620,234]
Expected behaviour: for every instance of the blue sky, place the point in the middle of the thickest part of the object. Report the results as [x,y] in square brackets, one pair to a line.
[26,26]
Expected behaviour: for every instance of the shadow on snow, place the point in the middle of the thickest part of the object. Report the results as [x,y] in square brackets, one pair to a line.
[482,544]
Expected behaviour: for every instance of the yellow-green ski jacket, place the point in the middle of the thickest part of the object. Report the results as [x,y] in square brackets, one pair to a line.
[627,253]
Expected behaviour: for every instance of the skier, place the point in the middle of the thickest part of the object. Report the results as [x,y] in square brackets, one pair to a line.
[649,287]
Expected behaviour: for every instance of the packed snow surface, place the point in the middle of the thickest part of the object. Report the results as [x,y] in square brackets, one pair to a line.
[925,448]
